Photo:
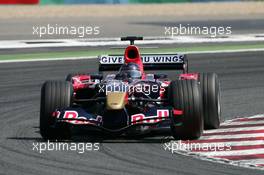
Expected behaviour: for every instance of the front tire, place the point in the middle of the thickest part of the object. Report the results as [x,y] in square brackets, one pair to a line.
[185,95]
[54,95]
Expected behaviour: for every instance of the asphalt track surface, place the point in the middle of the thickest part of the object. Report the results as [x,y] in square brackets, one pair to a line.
[241,76]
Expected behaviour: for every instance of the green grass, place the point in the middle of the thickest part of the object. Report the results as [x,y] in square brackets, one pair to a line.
[66,54]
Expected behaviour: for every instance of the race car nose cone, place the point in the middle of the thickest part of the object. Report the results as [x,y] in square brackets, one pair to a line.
[115,100]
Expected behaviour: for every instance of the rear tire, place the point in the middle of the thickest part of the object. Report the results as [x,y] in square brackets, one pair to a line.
[185,95]
[54,95]
[210,87]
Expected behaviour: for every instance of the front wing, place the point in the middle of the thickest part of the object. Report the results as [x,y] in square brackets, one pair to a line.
[154,117]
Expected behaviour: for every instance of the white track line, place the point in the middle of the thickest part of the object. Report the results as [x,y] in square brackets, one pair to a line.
[92,57]
[233,153]
[257,117]
[235,129]
[238,123]
[236,143]
[212,137]
[10,44]
[255,161]
[251,117]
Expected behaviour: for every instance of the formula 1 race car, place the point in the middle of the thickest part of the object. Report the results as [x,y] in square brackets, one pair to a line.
[131,101]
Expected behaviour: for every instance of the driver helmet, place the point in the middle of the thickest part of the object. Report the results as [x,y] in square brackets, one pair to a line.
[130,70]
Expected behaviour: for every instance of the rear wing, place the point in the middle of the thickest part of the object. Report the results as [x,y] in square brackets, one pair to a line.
[150,62]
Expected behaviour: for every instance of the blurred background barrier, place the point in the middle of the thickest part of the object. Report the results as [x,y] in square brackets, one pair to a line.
[100,1]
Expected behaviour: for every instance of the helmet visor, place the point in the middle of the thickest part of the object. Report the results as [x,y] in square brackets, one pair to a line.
[134,73]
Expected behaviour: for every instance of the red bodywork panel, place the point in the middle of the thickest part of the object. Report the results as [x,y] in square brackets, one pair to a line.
[132,55]
[177,112]
[189,76]
[136,58]
[78,84]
